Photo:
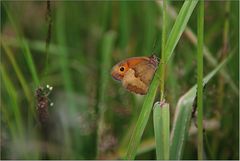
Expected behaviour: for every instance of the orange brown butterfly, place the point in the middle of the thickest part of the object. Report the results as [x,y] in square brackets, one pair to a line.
[136,73]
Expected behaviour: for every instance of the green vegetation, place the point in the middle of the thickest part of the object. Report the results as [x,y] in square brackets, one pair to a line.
[200,29]
[161,123]
[93,116]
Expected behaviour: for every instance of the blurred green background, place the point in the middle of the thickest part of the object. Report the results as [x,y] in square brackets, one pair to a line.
[93,115]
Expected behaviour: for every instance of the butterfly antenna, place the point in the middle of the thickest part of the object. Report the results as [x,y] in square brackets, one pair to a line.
[154,47]
[154,54]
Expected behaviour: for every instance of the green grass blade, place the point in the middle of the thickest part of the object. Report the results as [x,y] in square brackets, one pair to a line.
[161,113]
[21,79]
[105,66]
[61,40]
[40,47]
[25,49]
[13,101]
[163,57]
[124,24]
[207,54]
[179,26]
[200,78]
[19,73]
[182,117]
[161,123]
[143,118]
[6,119]
[66,75]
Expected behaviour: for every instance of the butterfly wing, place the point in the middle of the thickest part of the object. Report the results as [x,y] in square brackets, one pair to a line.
[138,73]
[145,71]
[134,84]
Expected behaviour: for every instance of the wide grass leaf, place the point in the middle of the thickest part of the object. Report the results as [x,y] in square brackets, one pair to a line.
[161,123]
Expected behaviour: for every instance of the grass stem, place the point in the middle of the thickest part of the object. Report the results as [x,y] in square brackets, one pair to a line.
[162,65]
[178,28]
[200,78]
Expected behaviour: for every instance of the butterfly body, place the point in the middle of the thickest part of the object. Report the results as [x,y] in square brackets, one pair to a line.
[136,73]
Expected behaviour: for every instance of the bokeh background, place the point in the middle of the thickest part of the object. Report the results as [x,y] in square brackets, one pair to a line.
[72,45]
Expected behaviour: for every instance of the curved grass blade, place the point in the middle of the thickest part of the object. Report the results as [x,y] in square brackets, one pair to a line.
[207,54]
[13,102]
[179,26]
[25,48]
[182,116]
[143,118]
[19,73]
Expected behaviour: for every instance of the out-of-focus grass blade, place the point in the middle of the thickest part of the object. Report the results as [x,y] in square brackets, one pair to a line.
[179,26]
[66,77]
[21,79]
[182,117]
[25,49]
[200,78]
[162,130]
[19,73]
[124,24]
[13,101]
[36,45]
[107,47]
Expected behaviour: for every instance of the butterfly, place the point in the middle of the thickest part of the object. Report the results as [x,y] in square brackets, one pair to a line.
[136,73]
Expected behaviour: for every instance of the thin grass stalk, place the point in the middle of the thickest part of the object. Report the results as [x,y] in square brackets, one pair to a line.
[200,78]
[49,31]
[163,61]
[161,112]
